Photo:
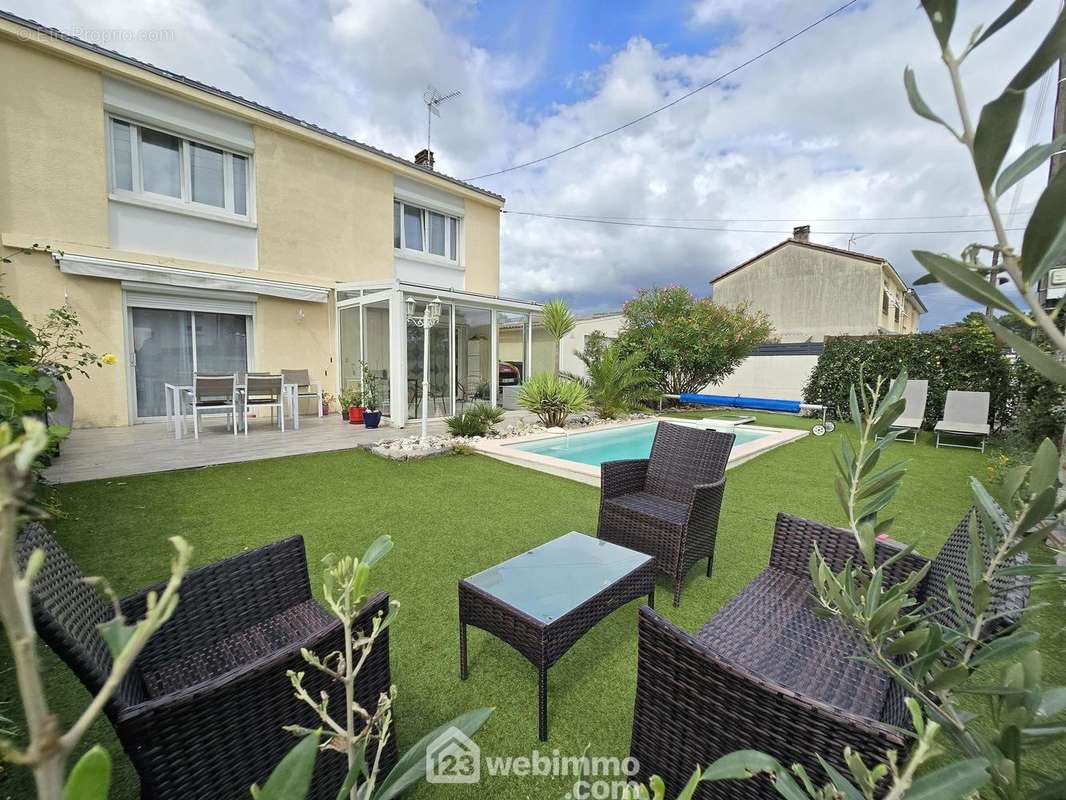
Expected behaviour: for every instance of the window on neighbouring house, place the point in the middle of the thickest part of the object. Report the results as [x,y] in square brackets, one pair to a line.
[425,231]
[884,302]
[161,166]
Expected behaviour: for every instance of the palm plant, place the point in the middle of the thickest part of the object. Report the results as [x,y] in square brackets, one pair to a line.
[558,320]
[618,384]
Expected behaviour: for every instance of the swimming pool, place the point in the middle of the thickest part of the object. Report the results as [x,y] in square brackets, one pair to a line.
[595,447]
[579,455]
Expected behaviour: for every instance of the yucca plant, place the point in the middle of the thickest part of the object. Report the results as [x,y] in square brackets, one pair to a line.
[553,399]
[558,321]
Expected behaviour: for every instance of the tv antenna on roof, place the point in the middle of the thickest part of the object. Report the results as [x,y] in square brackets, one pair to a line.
[433,100]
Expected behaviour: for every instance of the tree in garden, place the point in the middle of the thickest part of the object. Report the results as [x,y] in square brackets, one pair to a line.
[49,748]
[987,143]
[689,342]
[941,659]
[558,321]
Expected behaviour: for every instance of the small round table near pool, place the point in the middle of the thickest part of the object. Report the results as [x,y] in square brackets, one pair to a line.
[542,601]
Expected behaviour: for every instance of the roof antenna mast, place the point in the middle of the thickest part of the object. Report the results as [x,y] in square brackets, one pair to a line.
[433,100]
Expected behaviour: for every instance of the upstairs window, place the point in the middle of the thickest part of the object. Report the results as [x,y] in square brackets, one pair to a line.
[153,165]
[884,302]
[425,231]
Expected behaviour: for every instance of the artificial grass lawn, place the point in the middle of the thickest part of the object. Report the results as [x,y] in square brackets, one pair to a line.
[451,517]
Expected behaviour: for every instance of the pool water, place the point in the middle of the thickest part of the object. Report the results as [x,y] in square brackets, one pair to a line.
[595,447]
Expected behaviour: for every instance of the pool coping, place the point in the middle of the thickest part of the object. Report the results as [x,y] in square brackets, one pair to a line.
[504,450]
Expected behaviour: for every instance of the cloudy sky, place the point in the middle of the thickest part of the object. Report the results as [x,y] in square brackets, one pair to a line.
[818,132]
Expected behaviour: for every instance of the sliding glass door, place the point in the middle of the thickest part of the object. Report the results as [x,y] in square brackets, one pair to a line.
[170,346]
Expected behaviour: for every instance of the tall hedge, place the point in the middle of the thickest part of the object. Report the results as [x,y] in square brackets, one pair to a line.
[1041,404]
[964,356]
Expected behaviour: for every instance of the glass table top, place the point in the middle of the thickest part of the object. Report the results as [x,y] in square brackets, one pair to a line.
[558,576]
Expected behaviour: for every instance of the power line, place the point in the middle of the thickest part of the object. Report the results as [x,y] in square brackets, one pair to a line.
[672,103]
[798,217]
[744,230]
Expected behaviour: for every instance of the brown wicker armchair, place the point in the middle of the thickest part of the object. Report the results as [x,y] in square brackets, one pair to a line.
[201,713]
[667,505]
[766,674]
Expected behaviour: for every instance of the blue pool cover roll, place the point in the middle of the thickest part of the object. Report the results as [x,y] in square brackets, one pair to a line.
[737,401]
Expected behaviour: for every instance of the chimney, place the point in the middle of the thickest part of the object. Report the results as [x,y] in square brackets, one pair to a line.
[802,233]
[424,158]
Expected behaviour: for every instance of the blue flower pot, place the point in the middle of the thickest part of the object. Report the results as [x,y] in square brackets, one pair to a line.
[371,418]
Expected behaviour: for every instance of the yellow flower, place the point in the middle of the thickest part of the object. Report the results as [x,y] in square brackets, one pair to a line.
[109,359]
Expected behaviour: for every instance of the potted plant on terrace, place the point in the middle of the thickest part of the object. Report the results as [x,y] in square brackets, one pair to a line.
[327,402]
[371,398]
[351,405]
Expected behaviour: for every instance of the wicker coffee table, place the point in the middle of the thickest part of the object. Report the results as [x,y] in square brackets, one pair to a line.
[543,601]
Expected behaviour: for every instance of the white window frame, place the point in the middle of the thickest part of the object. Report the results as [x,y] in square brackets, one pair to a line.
[449,259]
[184,204]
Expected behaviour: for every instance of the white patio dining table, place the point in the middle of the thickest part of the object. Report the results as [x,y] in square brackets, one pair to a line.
[176,396]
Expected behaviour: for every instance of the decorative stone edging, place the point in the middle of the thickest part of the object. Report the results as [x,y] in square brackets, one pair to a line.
[409,448]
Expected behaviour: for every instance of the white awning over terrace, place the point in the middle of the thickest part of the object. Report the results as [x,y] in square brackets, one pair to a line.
[72,264]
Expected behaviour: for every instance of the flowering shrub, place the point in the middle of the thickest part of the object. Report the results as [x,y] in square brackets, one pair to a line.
[689,342]
[964,356]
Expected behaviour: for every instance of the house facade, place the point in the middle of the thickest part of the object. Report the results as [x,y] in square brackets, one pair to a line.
[195,231]
[810,292]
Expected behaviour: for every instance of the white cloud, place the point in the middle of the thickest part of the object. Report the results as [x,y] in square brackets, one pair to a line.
[818,129]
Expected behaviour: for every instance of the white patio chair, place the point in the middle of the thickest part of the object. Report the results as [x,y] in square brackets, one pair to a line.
[915,394]
[301,379]
[965,415]
[214,394]
[264,391]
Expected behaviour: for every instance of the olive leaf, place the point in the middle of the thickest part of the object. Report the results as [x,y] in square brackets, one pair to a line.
[995,131]
[959,276]
[1027,162]
[1042,362]
[1049,51]
[1013,10]
[941,15]
[1044,243]
[921,108]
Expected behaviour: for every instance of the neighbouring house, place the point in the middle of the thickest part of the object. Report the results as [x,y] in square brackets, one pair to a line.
[811,291]
[608,323]
[197,231]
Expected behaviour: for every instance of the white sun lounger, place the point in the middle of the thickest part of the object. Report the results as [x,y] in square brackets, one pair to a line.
[965,415]
[915,394]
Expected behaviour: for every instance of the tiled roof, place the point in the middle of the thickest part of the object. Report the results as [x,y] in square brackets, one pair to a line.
[214,90]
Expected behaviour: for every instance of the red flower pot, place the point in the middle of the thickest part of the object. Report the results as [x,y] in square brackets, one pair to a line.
[355,415]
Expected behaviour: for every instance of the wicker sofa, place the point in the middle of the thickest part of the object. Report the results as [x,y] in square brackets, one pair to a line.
[201,713]
[766,674]
[667,505]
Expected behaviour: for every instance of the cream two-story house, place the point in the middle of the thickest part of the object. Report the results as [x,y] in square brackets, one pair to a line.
[811,291]
[195,231]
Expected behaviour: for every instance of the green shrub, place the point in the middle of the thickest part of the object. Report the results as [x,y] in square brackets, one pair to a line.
[1041,404]
[553,399]
[477,420]
[466,423]
[964,356]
